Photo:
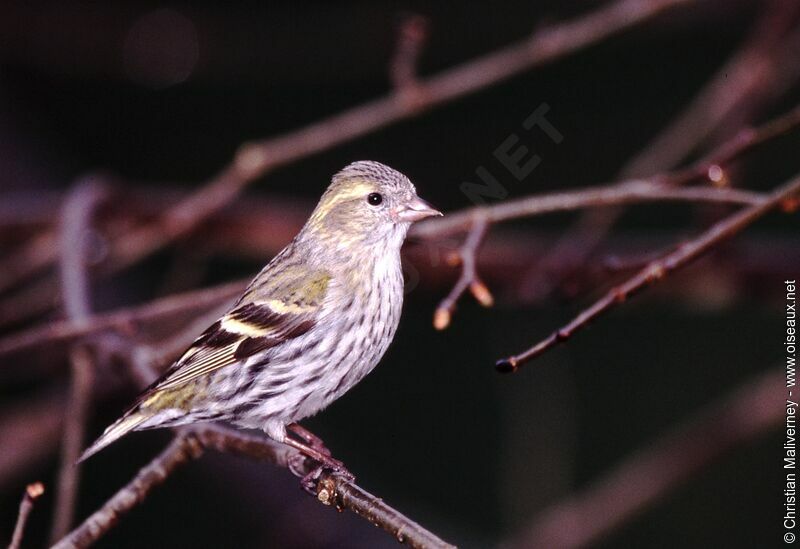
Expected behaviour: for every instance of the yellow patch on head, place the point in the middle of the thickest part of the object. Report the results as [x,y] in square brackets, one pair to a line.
[353,189]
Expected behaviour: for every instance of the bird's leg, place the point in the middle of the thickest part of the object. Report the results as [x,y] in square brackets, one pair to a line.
[310,438]
[309,481]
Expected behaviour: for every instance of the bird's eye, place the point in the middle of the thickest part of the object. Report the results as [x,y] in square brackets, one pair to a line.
[375,199]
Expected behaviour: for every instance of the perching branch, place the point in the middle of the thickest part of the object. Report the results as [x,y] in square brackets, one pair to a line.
[659,269]
[180,451]
[32,493]
[190,444]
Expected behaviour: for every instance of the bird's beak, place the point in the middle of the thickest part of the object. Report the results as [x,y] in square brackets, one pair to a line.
[415,210]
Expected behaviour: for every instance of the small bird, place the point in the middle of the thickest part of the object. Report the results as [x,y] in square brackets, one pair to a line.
[311,324]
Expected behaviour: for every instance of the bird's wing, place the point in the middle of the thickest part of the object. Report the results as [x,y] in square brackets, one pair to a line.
[268,315]
[282,303]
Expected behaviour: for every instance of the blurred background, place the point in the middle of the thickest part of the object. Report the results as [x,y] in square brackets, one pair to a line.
[153,99]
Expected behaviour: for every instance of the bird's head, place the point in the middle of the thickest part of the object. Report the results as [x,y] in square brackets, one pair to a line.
[368,202]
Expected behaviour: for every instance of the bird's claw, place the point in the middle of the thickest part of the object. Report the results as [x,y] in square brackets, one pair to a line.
[310,481]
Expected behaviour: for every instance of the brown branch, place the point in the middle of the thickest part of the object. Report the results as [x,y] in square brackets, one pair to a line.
[739,80]
[411,38]
[712,166]
[76,225]
[254,160]
[35,427]
[629,192]
[124,319]
[32,493]
[179,452]
[469,279]
[656,188]
[658,270]
[33,256]
[190,444]
[626,192]
[76,414]
[75,232]
[650,474]
[661,187]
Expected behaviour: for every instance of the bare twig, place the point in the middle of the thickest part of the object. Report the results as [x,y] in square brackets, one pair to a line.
[411,39]
[32,493]
[657,188]
[650,474]
[75,232]
[75,417]
[189,445]
[125,319]
[657,270]
[712,167]
[34,255]
[739,81]
[254,160]
[660,187]
[626,192]
[180,451]
[74,246]
[469,279]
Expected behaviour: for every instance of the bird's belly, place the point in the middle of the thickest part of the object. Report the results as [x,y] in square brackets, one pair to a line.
[318,368]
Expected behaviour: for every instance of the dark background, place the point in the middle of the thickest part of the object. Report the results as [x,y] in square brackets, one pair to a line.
[164,94]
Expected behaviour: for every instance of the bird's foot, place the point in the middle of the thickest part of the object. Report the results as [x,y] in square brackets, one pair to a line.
[312,440]
[322,461]
[310,480]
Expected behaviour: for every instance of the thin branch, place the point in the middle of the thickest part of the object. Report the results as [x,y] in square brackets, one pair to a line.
[469,279]
[627,192]
[76,414]
[411,38]
[32,493]
[642,479]
[739,81]
[658,270]
[125,319]
[76,224]
[659,187]
[254,160]
[713,165]
[75,232]
[179,452]
[34,255]
[190,444]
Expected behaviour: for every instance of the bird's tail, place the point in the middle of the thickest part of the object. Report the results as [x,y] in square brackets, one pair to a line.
[116,430]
